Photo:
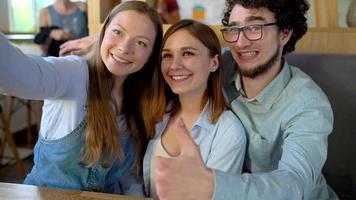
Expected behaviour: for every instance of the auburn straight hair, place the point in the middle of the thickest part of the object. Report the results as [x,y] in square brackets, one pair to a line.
[162,94]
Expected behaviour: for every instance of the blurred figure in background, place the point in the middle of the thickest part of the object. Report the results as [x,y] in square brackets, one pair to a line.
[168,9]
[62,21]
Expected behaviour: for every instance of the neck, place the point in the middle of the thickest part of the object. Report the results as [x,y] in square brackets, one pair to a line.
[254,86]
[190,108]
[117,93]
[64,6]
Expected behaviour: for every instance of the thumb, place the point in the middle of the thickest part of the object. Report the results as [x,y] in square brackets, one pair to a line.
[186,142]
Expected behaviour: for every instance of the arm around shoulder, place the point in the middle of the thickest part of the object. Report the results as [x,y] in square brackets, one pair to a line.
[298,173]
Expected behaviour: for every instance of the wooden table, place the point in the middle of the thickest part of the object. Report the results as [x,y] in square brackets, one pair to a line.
[10,191]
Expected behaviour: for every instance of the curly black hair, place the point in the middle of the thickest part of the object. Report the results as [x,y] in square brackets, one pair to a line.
[290,15]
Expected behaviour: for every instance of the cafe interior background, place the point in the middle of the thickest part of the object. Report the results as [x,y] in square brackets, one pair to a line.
[332,32]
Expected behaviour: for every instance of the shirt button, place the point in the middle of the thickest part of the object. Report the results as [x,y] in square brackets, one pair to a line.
[258,136]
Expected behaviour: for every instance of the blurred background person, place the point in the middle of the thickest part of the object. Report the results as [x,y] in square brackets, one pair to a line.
[62,21]
[168,9]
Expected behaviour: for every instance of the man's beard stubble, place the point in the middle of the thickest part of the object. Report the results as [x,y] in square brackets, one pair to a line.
[260,69]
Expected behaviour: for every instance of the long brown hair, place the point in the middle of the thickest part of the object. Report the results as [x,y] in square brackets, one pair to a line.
[102,136]
[162,94]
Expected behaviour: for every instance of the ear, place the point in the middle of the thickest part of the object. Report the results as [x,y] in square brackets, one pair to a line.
[285,36]
[214,63]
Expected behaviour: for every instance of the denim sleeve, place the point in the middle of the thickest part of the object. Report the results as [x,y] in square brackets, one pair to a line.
[304,151]
[35,77]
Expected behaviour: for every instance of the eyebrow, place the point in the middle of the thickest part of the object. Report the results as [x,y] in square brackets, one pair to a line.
[139,36]
[182,48]
[248,19]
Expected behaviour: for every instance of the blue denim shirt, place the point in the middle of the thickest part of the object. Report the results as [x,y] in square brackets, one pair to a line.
[57,164]
[287,127]
[222,145]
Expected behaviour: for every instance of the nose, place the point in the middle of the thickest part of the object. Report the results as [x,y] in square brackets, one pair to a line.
[242,41]
[125,46]
[176,62]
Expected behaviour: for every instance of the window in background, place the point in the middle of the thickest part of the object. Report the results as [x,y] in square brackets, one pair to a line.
[23,14]
[343,7]
[311,14]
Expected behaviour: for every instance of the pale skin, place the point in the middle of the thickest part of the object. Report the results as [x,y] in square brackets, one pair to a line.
[243,46]
[186,66]
[185,176]
[188,162]
[126,47]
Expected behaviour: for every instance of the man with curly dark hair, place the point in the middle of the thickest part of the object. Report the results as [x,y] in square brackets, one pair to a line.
[286,115]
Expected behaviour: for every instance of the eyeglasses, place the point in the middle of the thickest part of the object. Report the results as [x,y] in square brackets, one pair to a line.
[251,32]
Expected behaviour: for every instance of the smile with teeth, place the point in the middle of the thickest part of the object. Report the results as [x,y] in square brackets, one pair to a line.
[120,60]
[248,54]
[180,77]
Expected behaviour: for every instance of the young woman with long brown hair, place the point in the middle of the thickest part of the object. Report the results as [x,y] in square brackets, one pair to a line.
[92,134]
[188,86]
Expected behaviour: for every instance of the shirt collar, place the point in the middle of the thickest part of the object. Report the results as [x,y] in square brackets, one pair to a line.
[203,120]
[239,88]
[268,95]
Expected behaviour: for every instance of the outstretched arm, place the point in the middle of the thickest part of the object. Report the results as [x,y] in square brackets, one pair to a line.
[34,77]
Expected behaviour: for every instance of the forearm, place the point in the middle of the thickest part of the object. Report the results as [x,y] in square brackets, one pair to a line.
[60,35]
[34,77]
[297,172]
[15,67]
[274,185]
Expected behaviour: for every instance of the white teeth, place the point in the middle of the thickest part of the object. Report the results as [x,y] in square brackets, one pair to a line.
[181,77]
[250,53]
[120,59]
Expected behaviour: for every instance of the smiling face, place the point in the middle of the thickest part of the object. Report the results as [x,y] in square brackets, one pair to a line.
[127,43]
[186,64]
[255,58]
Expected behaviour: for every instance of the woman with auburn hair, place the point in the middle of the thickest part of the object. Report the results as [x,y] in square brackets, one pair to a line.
[92,134]
[187,87]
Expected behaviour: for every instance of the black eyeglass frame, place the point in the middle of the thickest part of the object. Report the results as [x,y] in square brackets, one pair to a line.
[243,28]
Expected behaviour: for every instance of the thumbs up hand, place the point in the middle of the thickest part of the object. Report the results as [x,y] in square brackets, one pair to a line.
[184,176]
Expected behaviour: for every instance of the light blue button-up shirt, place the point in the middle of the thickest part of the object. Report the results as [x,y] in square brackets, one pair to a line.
[222,145]
[287,126]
